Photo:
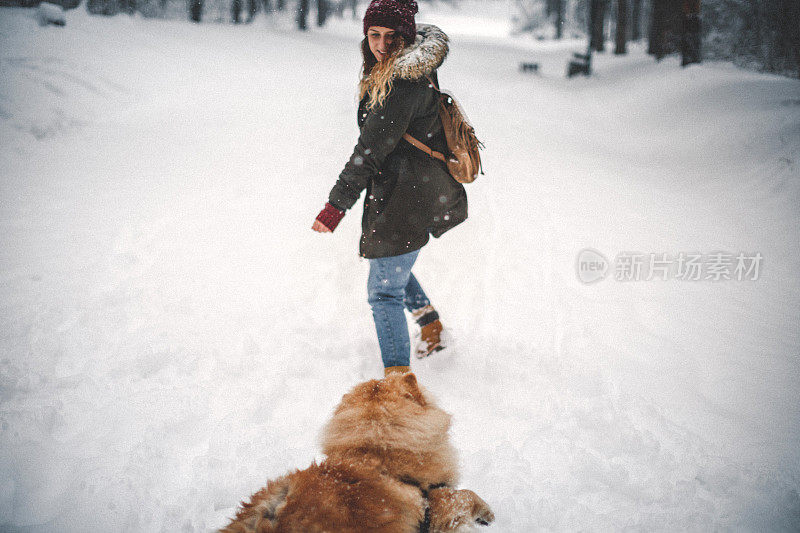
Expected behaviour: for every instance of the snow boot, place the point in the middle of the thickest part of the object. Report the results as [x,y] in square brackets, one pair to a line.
[396,370]
[432,336]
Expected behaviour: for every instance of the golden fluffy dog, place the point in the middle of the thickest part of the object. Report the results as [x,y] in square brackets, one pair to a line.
[390,468]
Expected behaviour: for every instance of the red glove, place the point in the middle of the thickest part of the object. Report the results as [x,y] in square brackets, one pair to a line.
[330,216]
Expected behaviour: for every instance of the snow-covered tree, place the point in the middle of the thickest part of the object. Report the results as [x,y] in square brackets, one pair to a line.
[761,34]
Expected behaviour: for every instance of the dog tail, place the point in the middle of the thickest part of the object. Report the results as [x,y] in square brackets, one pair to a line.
[260,515]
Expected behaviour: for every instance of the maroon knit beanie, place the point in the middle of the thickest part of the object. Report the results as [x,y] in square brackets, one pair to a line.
[395,14]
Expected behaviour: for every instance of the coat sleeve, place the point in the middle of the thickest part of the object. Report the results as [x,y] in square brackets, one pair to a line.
[383,129]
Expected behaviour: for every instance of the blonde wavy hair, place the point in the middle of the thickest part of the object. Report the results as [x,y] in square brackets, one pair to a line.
[377,76]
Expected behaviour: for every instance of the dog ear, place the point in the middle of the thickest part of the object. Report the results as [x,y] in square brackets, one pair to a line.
[411,385]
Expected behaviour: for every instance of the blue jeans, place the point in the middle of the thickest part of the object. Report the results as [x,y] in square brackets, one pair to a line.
[391,287]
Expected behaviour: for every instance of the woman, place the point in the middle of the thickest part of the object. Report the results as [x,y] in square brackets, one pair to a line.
[410,195]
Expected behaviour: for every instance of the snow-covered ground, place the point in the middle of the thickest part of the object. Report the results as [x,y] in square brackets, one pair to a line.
[172,333]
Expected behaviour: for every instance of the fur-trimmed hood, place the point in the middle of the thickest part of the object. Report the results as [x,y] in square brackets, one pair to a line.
[425,55]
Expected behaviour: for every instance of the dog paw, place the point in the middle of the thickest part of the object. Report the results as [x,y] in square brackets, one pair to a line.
[484,517]
[457,510]
[481,512]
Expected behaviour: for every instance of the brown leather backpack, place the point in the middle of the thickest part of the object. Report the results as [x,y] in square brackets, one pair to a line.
[464,160]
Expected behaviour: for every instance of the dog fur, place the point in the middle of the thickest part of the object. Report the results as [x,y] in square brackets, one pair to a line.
[387,447]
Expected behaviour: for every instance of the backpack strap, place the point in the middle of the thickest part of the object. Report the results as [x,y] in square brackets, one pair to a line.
[414,142]
[424,147]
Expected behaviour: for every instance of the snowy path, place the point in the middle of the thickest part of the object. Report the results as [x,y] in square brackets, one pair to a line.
[172,333]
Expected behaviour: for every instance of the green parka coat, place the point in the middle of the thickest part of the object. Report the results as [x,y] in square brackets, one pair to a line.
[410,195]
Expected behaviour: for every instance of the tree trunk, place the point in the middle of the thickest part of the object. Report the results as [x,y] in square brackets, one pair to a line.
[236,11]
[622,27]
[322,12]
[559,7]
[690,33]
[252,9]
[635,20]
[597,23]
[658,29]
[302,14]
[196,10]
[792,10]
